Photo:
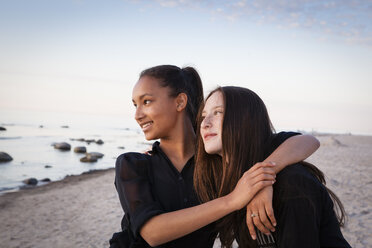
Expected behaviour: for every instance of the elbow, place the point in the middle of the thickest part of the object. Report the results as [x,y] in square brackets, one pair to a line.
[151,237]
[316,143]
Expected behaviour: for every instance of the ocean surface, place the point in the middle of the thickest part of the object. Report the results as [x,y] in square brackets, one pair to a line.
[30,135]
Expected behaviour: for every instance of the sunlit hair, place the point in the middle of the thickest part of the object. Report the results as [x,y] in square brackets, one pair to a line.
[246,133]
[180,80]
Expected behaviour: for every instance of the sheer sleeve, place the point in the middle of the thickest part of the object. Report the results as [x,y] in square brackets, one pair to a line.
[133,185]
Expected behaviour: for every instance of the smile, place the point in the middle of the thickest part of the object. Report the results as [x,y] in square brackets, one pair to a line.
[209,135]
[146,126]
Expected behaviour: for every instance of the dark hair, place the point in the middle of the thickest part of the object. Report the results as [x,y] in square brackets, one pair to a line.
[246,131]
[185,80]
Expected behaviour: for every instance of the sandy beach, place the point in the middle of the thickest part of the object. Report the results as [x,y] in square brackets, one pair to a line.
[84,210]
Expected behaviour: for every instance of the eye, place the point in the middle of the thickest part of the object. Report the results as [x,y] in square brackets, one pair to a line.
[218,112]
[146,102]
[135,105]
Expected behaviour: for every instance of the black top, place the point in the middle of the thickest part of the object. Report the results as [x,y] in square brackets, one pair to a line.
[149,185]
[304,211]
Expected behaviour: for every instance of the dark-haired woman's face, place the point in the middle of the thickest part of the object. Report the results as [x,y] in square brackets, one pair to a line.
[155,109]
[211,126]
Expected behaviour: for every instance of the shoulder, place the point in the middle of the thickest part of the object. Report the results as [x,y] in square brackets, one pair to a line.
[296,181]
[132,164]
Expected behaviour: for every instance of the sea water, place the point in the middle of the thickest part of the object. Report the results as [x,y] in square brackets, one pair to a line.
[30,135]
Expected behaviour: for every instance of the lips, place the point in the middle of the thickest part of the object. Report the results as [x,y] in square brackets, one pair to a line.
[209,135]
[145,126]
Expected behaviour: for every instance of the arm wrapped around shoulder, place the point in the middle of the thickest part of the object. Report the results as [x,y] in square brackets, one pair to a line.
[133,185]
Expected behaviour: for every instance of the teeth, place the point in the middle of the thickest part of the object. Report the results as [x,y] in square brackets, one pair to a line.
[146,125]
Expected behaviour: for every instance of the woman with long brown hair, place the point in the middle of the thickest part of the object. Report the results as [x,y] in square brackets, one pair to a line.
[236,133]
[156,191]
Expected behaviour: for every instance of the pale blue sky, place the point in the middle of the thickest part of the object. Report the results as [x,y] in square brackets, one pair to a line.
[310,61]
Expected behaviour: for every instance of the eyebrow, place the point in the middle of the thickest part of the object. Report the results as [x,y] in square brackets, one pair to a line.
[219,106]
[142,96]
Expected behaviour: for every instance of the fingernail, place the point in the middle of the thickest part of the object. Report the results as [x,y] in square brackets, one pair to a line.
[272,230]
[253,237]
[274,223]
[273,163]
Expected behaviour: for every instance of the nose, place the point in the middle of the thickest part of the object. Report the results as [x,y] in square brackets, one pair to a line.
[138,115]
[206,123]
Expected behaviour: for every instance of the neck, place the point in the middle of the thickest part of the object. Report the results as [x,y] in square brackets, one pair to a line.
[180,145]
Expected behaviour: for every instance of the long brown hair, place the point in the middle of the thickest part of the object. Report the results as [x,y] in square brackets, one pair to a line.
[246,132]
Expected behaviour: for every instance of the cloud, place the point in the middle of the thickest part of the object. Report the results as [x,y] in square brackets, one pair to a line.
[350,20]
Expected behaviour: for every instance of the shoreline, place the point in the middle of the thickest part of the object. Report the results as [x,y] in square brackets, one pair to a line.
[69,179]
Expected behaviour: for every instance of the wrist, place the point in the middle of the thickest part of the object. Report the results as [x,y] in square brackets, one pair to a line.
[229,204]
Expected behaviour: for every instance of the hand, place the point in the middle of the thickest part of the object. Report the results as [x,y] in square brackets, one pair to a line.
[252,181]
[262,206]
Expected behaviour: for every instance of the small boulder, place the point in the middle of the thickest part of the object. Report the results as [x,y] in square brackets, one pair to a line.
[121,147]
[99,142]
[89,141]
[48,166]
[62,146]
[30,181]
[2,129]
[95,154]
[45,180]
[41,126]
[80,139]
[5,157]
[65,126]
[88,159]
[80,149]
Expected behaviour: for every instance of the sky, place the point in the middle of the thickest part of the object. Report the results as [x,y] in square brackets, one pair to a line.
[310,61]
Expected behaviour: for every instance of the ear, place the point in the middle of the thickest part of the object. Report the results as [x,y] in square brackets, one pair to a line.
[181,101]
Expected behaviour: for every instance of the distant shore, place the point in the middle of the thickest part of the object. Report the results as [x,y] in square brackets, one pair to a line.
[84,210]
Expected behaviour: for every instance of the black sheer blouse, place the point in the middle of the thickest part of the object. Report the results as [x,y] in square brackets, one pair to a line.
[149,185]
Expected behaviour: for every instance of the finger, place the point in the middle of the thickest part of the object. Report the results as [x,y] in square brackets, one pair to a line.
[261,177]
[260,185]
[270,213]
[250,224]
[262,170]
[257,222]
[265,221]
[260,165]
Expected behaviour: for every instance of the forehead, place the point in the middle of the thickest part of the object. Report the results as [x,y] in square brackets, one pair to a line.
[215,100]
[148,85]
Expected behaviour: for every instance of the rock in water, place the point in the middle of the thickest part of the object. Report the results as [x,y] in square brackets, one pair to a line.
[5,157]
[31,181]
[80,149]
[48,166]
[88,159]
[2,129]
[63,146]
[45,180]
[99,142]
[95,154]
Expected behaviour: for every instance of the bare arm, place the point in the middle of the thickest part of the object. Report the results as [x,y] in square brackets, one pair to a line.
[292,150]
[169,226]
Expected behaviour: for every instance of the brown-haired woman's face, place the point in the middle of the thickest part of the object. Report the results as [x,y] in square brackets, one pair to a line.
[211,126]
[155,109]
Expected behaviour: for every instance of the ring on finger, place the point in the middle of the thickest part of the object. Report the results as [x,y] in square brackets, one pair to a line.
[254,215]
